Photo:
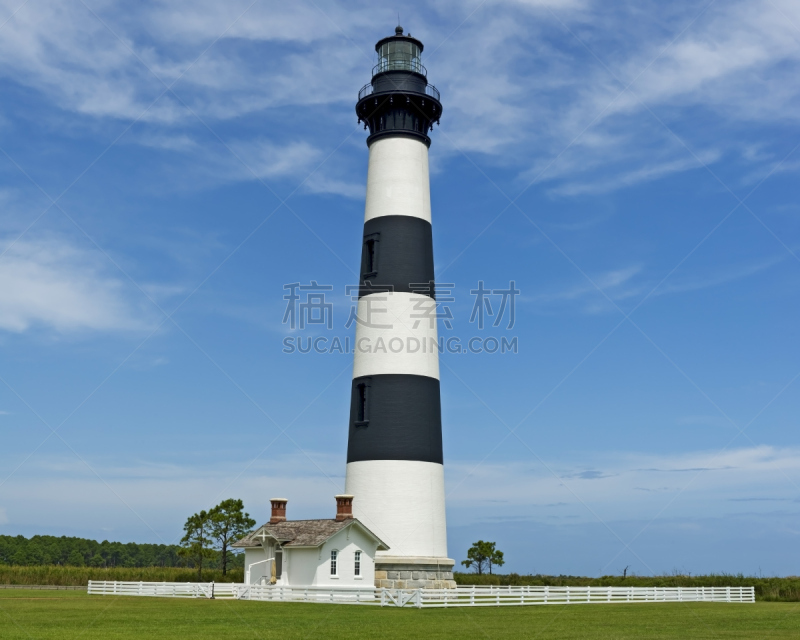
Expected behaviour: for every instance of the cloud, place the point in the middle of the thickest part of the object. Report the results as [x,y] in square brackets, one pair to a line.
[647,173]
[723,276]
[300,161]
[628,282]
[269,160]
[631,486]
[50,283]
[617,284]
[518,87]
[529,92]
[720,62]
[589,475]
[622,484]
[112,63]
[136,498]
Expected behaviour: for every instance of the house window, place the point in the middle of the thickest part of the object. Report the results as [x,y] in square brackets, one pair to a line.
[362,404]
[357,565]
[334,562]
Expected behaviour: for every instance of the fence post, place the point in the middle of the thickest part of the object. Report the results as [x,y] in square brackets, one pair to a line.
[472,596]
[567,595]
[727,594]
[419,598]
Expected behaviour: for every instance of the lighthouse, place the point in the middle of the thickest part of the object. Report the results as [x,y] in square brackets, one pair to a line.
[394,456]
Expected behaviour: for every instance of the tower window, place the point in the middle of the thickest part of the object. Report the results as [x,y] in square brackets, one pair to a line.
[334,562]
[357,564]
[362,404]
[370,248]
[369,260]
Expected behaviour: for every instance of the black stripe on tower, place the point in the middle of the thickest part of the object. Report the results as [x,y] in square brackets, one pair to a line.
[397,255]
[395,417]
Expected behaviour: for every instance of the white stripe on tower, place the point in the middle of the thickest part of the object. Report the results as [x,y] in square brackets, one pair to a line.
[410,346]
[404,501]
[398,182]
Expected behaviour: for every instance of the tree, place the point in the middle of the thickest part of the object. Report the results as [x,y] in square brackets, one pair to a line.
[196,543]
[229,522]
[482,556]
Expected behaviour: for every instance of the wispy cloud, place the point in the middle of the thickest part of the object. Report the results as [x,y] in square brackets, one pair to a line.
[720,277]
[163,494]
[629,282]
[622,482]
[647,173]
[50,283]
[518,86]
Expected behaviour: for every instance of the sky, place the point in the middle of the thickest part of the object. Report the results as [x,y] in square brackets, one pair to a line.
[167,168]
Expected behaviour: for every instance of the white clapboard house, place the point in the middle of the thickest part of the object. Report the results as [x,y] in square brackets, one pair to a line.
[333,552]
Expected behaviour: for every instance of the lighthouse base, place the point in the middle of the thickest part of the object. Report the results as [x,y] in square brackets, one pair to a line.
[408,572]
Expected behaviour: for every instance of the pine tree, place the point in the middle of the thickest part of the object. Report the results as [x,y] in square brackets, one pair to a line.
[481,556]
[229,522]
[196,543]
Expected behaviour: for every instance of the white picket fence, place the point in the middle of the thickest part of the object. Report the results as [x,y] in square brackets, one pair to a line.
[424,598]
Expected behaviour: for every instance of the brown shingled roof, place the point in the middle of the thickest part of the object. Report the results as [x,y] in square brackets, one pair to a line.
[301,533]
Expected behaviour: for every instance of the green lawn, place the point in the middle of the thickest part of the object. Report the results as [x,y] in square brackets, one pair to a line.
[73,614]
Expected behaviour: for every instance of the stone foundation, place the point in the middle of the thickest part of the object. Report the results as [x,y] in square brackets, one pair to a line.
[413,573]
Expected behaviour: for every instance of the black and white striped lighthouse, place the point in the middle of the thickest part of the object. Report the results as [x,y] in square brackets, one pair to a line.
[394,454]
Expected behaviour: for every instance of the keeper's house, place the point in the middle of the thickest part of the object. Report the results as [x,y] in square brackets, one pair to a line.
[337,552]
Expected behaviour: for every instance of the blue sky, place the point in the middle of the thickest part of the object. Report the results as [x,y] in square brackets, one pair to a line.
[167,168]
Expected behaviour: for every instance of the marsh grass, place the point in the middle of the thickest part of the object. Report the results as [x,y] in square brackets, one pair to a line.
[60,575]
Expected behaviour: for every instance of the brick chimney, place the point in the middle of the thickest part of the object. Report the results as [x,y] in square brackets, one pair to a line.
[278,510]
[344,508]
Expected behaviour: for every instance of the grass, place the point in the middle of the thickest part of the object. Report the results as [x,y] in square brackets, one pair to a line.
[72,614]
[59,575]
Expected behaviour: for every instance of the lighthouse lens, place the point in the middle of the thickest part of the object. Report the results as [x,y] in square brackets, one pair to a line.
[399,56]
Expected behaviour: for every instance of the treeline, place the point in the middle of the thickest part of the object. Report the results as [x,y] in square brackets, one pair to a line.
[769,589]
[80,552]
